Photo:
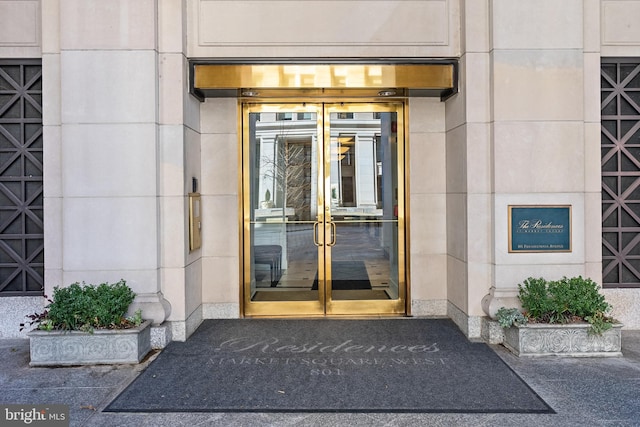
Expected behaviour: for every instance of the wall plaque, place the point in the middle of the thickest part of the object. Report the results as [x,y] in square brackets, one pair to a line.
[540,228]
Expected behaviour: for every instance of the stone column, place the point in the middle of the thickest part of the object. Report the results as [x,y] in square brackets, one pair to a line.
[469,174]
[100,65]
[544,151]
[179,163]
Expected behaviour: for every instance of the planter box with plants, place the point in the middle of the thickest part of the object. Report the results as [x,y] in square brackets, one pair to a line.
[566,317]
[86,325]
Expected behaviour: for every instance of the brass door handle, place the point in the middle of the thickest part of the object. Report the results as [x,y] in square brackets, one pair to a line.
[315,234]
[333,234]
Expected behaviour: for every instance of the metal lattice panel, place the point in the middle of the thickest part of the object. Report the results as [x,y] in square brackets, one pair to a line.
[21,178]
[620,150]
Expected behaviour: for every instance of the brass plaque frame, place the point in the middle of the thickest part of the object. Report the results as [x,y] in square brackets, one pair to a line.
[195,223]
[547,229]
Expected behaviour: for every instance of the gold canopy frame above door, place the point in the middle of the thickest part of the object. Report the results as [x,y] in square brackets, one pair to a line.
[321,80]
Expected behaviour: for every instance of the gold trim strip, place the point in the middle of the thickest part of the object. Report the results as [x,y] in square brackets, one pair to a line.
[318,76]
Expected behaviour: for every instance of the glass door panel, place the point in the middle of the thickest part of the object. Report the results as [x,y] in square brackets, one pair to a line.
[363,256]
[282,232]
[323,217]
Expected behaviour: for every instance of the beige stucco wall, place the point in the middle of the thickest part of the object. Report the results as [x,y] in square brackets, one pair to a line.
[529,102]
[220,207]
[427,206]
[619,33]
[469,172]
[107,127]
[326,29]
[323,28]
[123,138]
[524,130]
[20,29]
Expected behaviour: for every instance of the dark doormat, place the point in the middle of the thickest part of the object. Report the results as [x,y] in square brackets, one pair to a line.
[327,365]
[346,276]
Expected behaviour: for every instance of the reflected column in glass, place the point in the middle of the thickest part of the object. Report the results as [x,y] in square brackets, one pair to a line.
[283,199]
[364,200]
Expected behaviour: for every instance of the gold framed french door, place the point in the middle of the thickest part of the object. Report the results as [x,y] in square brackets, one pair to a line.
[323,209]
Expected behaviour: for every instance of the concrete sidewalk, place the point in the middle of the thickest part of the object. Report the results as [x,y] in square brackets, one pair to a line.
[583,391]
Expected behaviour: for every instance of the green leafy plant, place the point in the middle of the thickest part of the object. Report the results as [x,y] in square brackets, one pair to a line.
[534,297]
[600,323]
[508,317]
[563,301]
[136,319]
[86,307]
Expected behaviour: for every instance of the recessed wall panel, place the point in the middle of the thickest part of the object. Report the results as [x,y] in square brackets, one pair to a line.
[19,23]
[620,22]
[321,26]
[20,29]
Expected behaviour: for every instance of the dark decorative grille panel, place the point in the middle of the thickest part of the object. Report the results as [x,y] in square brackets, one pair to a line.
[620,150]
[21,178]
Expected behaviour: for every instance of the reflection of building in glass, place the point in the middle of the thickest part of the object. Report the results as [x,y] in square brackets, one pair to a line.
[288,156]
[360,221]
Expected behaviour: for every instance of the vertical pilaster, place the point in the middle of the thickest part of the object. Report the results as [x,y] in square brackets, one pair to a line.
[51,120]
[470,173]
[542,140]
[101,59]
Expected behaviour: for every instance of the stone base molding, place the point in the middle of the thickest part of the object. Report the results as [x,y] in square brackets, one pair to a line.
[153,305]
[161,335]
[492,332]
[428,308]
[469,325]
[499,297]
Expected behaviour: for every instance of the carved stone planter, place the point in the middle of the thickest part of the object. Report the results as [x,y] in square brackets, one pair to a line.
[562,340]
[66,348]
